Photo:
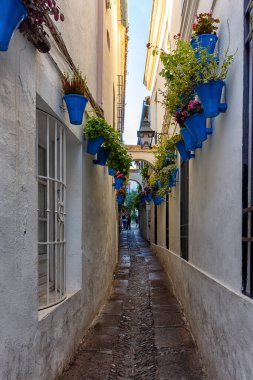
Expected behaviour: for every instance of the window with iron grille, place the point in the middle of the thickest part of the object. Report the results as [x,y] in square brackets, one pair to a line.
[51,175]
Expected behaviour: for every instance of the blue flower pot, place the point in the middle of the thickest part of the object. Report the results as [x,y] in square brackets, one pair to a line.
[210,97]
[196,124]
[76,105]
[148,197]
[102,156]
[118,183]
[173,178]
[174,174]
[12,13]
[94,145]
[111,171]
[120,199]
[180,145]
[157,200]
[189,139]
[169,159]
[171,183]
[204,41]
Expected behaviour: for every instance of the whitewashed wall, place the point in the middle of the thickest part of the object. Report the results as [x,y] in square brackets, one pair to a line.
[209,285]
[37,345]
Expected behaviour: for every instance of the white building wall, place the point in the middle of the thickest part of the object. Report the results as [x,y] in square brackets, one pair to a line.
[209,284]
[37,345]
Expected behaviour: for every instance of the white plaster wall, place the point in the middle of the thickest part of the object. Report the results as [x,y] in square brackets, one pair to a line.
[161,224]
[209,285]
[220,318]
[18,210]
[36,346]
[216,172]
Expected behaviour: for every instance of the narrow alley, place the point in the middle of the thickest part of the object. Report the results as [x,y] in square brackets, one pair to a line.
[126,201]
[141,332]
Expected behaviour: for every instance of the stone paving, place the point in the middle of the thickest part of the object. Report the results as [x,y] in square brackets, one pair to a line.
[141,332]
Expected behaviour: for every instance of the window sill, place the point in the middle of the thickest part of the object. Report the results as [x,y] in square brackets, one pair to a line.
[45,312]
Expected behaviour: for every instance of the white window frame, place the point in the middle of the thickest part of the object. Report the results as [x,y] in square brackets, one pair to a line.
[52,285]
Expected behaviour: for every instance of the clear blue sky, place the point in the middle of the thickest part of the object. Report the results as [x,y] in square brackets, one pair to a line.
[139,18]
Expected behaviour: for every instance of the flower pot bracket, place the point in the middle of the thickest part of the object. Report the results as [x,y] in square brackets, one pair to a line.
[223,106]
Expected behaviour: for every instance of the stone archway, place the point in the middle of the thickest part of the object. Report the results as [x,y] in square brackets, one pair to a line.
[139,154]
[135,175]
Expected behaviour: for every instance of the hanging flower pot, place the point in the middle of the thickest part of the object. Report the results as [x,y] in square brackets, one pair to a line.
[169,159]
[210,97]
[196,124]
[94,145]
[102,156]
[76,105]
[120,199]
[143,200]
[185,155]
[13,12]
[111,171]
[118,183]
[189,139]
[204,41]
[148,197]
[173,178]
[157,200]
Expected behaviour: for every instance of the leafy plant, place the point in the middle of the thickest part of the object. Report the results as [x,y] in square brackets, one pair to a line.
[165,153]
[73,83]
[132,202]
[119,158]
[38,11]
[179,72]
[145,171]
[208,69]
[97,127]
[205,24]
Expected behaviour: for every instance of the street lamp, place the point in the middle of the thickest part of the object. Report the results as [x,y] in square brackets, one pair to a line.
[145,135]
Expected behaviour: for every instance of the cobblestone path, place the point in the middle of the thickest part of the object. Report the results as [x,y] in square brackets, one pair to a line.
[141,332]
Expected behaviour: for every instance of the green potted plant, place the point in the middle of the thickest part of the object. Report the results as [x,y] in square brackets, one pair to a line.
[192,116]
[96,130]
[210,81]
[204,33]
[179,72]
[74,88]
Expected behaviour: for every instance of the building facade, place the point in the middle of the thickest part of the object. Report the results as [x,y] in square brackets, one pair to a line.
[202,232]
[55,272]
